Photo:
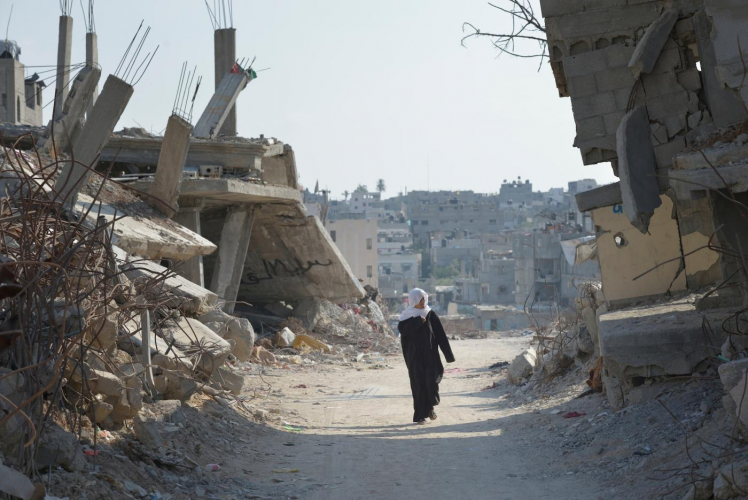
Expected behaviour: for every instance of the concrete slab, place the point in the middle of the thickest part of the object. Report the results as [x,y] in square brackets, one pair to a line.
[651,44]
[220,105]
[657,340]
[241,154]
[690,184]
[291,258]
[224,192]
[187,296]
[148,236]
[637,168]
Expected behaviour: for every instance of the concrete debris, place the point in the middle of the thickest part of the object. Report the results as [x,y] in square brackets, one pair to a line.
[59,448]
[651,44]
[285,338]
[183,294]
[637,168]
[197,340]
[522,367]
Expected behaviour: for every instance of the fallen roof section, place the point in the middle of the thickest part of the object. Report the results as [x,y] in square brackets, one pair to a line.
[148,236]
[229,154]
[218,192]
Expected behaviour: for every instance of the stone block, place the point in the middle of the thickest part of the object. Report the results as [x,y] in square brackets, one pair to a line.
[522,367]
[59,448]
[285,338]
[612,122]
[598,22]
[666,152]
[689,79]
[614,78]
[594,105]
[107,384]
[667,105]
[582,85]
[230,381]
[555,8]
[670,60]
[637,169]
[660,83]
[585,64]
[146,431]
[674,124]
[650,46]
[590,128]
[618,55]
[190,335]
[179,386]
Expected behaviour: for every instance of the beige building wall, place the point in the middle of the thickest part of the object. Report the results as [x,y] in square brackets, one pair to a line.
[626,253]
[357,241]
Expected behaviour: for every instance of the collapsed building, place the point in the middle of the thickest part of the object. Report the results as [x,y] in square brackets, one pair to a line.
[139,268]
[657,91]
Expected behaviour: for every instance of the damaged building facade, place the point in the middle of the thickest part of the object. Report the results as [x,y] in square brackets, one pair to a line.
[657,91]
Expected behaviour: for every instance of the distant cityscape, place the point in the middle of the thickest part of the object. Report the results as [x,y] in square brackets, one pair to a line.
[482,256]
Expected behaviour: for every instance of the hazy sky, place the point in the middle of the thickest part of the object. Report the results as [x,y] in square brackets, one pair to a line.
[362,90]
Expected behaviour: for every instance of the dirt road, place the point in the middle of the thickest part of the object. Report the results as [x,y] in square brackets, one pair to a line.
[358,442]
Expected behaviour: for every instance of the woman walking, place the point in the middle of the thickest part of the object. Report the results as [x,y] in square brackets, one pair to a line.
[421,335]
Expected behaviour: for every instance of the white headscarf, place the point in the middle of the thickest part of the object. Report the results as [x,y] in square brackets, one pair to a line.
[414,298]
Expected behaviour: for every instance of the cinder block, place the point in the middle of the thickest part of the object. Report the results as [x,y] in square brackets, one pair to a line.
[603,4]
[612,121]
[555,8]
[666,152]
[619,55]
[690,79]
[585,64]
[674,124]
[623,96]
[615,78]
[659,84]
[594,105]
[596,22]
[590,128]
[669,60]
[582,86]
[667,105]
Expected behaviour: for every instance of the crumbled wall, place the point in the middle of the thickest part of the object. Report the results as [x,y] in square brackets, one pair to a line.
[591,43]
[638,253]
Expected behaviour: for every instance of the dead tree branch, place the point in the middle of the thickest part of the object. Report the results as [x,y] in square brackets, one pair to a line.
[526,27]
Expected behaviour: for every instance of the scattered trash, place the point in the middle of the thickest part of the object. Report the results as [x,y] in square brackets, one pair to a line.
[500,364]
[453,370]
[291,428]
[574,414]
[489,387]
[555,412]
[212,467]
[286,471]
[300,386]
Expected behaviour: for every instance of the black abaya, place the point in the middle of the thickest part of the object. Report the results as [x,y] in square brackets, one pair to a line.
[421,341]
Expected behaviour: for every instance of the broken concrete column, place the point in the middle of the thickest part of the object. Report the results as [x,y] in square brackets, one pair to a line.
[92,59]
[637,168]
[225,57]
[651,44]
[171,160]
[232,252]
[220,105]
[94,136]
[724,105]
[64,130]
[189,217]
[64,49]
[522,367]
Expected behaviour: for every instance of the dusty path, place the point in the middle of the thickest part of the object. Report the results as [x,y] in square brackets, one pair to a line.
[358,441]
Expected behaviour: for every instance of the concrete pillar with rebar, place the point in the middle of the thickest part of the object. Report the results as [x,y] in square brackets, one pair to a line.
[174,148]
[225,57]
[63,131]
[86,149]
[92,59]
[232,253]
[189,217]
[219,107]
[64,53]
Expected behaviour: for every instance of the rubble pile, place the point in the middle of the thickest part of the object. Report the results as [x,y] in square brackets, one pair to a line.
[93,337]
[572,339]
[345,328]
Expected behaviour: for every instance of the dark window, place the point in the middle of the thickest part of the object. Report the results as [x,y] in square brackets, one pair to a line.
[424,223]
[369,271]
[39,96]
[369,244]
[18,106]
[333,235]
